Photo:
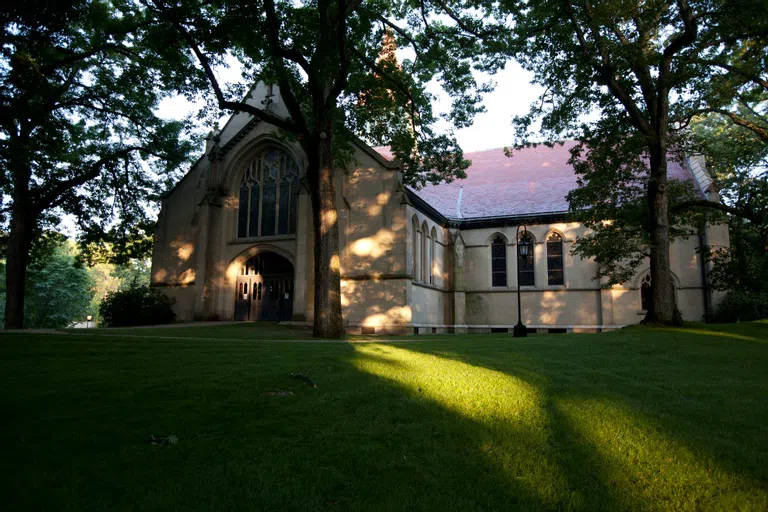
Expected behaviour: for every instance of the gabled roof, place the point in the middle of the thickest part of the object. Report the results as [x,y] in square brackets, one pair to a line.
[534,181]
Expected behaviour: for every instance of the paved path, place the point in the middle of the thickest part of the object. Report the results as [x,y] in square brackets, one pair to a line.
[81,333]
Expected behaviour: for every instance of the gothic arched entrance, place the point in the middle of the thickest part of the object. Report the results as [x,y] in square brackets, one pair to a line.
[264,289]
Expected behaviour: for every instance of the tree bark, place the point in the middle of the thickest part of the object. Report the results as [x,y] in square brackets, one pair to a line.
[663,307]
[17,259]
[328,319]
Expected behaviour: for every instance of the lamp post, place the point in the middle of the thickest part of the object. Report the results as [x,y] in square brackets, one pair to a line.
[520,330]
[88,321]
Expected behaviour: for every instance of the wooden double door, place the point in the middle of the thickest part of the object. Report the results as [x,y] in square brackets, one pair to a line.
[263,295]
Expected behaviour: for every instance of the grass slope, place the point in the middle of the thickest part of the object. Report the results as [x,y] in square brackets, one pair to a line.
[637,419]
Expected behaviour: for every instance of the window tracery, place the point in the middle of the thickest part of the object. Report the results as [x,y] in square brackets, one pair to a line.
[268,195]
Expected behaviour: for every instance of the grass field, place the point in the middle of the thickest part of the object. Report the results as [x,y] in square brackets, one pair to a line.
[635,419]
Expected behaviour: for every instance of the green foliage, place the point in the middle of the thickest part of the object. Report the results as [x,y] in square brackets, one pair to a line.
[79,85]
[137,305]
[742,306]
[58,288]
[623,78]
[611,201]
[738,160]
[108,277]
[336,61]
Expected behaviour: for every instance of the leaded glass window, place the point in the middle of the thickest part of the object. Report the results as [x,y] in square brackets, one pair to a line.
[268,195]
[498,262]
[525,263]
[555,259]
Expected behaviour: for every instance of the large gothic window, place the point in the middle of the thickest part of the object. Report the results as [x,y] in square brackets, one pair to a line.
[268,195]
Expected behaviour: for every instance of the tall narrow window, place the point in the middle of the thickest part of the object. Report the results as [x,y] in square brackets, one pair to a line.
[432,257]
[525,263]
[424,252]
[645,293]
[555,259]
[498,262]
[415,248]
[268,195]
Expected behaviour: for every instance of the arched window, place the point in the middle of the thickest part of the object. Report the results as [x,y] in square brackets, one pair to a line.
[498,262]
[555,259]
[525,263]
[415,247]
[268,195]
[645,293]
[432,257]
[424,252]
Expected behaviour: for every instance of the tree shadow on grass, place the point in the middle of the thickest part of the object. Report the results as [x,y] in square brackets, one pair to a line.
[375,435]
[494,425]
[679,419]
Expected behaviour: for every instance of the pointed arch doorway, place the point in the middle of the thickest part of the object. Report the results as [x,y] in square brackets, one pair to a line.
[264,289]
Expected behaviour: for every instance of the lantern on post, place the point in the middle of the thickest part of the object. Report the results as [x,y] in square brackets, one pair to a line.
[523,250]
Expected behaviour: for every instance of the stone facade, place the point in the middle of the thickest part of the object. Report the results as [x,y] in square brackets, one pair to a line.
[406,266]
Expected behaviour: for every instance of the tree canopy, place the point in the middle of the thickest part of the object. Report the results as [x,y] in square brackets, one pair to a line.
[79,86]
[625,79]
[332,61]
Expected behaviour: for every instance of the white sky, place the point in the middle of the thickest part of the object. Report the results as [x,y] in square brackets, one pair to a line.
[512,96]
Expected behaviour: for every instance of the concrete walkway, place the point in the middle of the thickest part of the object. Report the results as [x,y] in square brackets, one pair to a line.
[102,334]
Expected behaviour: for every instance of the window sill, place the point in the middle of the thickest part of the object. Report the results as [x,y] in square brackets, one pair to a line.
[270,238]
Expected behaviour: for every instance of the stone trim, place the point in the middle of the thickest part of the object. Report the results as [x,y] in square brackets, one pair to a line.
[169,284]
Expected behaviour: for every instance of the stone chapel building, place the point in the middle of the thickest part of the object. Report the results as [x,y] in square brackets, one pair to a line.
[234,242]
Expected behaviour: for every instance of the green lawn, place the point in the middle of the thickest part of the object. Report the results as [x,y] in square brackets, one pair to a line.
[635,419]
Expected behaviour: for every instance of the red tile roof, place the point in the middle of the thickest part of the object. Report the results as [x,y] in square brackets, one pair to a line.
[534,181]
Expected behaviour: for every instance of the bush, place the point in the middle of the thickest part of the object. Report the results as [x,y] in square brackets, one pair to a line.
[742,306]
[138,305]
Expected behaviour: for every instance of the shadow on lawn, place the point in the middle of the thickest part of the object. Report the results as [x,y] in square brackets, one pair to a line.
[496,424]
[520,447]
[676,420]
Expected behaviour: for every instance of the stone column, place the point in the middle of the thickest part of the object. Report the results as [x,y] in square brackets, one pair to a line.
[302,271]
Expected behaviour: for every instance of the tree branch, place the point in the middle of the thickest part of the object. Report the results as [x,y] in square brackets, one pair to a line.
[286,92]
[462,25]
[703,203]
[45,200]
[279,122]
[341,81]
[688,36]
[605,70]
[377,69]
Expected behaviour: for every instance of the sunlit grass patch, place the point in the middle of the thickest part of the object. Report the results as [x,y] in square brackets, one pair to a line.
[631,420]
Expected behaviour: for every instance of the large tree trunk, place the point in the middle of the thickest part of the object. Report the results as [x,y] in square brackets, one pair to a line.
[17,258]
[328,320]
[663,307]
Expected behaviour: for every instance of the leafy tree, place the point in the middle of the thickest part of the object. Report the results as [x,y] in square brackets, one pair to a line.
[108,278]
[58,286]
[78,86]
[624,78]
[738,159]
[326,57]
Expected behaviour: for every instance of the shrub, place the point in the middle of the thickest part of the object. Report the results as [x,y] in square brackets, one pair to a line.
[742,306]
[138,305]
